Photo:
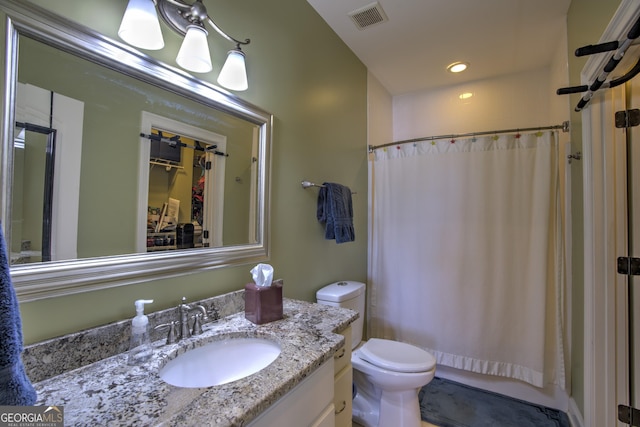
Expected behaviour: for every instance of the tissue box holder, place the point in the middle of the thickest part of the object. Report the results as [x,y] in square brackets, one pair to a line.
[263,304]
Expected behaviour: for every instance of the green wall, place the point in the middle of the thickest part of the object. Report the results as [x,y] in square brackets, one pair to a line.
[586,21]
[315,87]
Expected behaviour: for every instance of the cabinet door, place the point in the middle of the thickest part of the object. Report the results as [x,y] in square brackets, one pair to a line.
[343,397]
[305,404]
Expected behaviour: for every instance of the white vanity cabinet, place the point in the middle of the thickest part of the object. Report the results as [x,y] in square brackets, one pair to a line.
[309,404]
[343,380]
[324,399]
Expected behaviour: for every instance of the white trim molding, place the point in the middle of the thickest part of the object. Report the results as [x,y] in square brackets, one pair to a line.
[604,175]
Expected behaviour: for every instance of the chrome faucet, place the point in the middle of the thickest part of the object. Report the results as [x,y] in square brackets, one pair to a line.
[184,309]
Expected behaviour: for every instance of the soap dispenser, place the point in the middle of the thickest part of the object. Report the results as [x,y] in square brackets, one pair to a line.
[140,346]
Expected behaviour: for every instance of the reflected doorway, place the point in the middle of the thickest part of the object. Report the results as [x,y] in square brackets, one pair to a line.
[47,152]
[182,177]
[32,204]
[181,187]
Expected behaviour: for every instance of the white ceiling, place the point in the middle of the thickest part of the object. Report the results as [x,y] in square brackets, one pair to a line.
[410,51]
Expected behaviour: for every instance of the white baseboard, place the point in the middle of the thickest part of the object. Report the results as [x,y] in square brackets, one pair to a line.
[575,417]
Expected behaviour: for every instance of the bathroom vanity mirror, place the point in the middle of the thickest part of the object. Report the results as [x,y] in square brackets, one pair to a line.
[140,170]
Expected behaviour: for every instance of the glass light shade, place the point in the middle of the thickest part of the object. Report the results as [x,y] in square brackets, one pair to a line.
[234,71]
[140,26]
[194,53]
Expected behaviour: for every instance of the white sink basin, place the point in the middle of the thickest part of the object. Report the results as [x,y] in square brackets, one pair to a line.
[220,362]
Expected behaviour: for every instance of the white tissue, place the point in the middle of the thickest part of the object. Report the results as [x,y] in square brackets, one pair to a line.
[262,275]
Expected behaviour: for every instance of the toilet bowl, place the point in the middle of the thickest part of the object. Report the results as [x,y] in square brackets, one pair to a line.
[387,374]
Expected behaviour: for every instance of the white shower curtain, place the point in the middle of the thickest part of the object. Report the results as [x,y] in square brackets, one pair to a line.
[466,255]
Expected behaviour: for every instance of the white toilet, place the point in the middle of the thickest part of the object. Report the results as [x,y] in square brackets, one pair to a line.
[387,374]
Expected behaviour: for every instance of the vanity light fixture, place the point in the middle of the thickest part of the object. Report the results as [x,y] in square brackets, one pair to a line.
[457,67]
[140,27]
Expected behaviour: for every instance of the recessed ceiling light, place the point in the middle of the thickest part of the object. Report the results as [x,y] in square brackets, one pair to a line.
[457,67]
[465,95]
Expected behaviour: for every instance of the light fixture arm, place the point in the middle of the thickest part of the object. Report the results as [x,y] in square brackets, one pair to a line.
[179,15]
[225,35]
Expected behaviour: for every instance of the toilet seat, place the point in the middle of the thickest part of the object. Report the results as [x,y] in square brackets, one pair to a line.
[396,356]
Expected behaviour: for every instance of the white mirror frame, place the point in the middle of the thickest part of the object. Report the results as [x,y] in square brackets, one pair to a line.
[38,281]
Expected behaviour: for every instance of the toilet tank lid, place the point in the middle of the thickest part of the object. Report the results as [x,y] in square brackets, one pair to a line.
[340,291]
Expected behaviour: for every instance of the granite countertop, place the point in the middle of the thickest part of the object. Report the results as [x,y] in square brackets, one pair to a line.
[109,392]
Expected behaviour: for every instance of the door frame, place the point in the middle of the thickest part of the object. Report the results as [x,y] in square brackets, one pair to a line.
[606,373]
[33,105]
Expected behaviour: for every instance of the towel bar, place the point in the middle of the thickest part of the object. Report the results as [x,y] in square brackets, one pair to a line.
[307,184]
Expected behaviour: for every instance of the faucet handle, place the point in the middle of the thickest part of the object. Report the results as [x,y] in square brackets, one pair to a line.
[172,335]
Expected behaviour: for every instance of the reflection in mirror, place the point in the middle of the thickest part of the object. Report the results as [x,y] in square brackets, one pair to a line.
[113,122]
[32,193]
[170,224]
[58,200]
[188,202]
[150,171]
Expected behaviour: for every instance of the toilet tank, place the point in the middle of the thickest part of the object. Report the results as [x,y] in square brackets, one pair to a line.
[346,294]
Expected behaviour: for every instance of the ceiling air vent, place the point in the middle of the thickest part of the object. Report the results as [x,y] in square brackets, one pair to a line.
[369,15]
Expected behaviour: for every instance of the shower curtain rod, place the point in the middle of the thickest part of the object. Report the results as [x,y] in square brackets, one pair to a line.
[564,126]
